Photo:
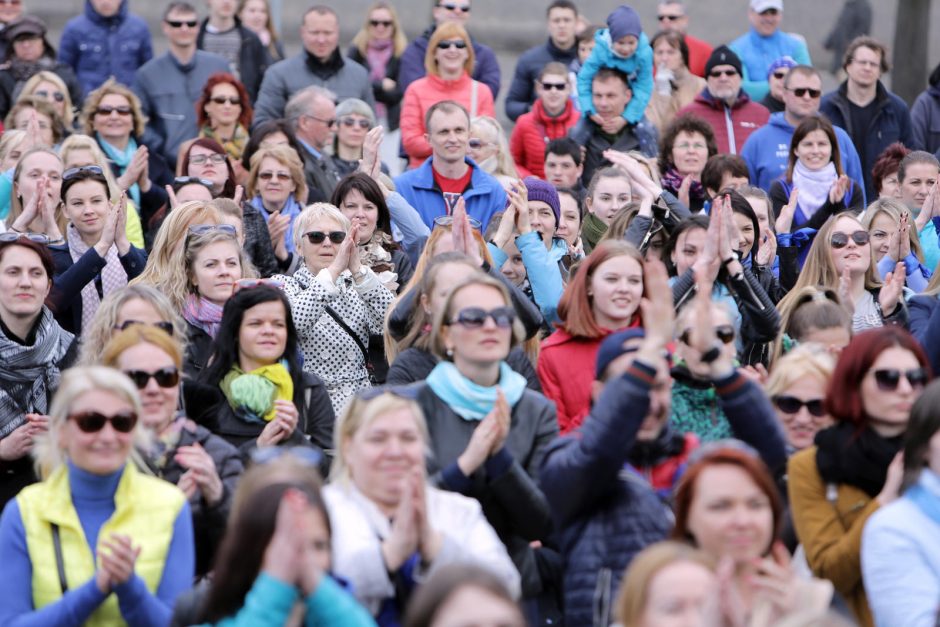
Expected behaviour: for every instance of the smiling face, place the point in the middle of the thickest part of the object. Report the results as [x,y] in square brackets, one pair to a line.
[114,126]
[746,231]
[224,105]
[86,207]
[553,99]
[103,452]
[480,346]
[814,151]
[800,428]
[569,224]
[689,153]
[513,269]
[215,270]
[765,23]
[676,596]
[616,290]
[918,179]
[762,210]
[381,24]
[625,46]
[24,285]
[889,410]
[319,256]
[158,404]
[856,258]
[450,60]
[262,336]
[275,183]
[800,107]
[449,134]
[361,212]
[610,195]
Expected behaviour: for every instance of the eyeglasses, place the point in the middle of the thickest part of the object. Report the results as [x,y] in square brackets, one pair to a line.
[221,100]
[182,23]
[305,455]
[331,122]
[724,332]
[779,75]
[792,405]
[121,110]
[841,240]
[10,236]
[247,284]
[475,317]
[449,221]
[377,23]
[800,92]
[668,18]
[215,158]
[888,379]
[187,180]
[163,325]
[720,73]
[165,377]
[267,176]
[318,237]
[351,122]
[58,96]
[85,169]
[555,86]
[459,44]
[450,6]
[93,421]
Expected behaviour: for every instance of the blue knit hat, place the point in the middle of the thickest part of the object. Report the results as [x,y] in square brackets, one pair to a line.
[785,61]
[612,348]
[546,192]
[623,21]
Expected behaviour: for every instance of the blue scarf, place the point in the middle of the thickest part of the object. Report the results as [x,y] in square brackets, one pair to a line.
[469,400]
[924,494]
[291,208]
[122,159]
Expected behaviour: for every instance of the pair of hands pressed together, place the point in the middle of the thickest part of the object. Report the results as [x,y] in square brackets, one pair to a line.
[289,556]
[488,437]
[282,426]
[411,529]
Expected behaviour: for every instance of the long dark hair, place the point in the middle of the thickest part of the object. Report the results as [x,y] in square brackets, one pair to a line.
[812,123]
[370,190]
[228,190]
[924,422]
[261,131]
[696,221]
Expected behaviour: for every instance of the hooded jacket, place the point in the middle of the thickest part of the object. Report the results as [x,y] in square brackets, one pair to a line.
[638,68]
[532,133]
[732,125]
[97,47]
[757,52]
[925,116]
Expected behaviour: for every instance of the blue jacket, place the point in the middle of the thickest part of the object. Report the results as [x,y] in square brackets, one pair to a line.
[758,52]
[484,198]
[924,324]
[542,269]
[522,91]
[485,70]
[605,513]
[638,67]
[767,151]
[891,123]
[97,47]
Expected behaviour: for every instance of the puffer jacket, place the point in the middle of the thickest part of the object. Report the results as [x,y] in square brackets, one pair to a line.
[604,512]
[98,47]
[732,125]
[532,133]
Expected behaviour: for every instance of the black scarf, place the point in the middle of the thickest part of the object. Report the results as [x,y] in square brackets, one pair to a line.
[325,69]
[861,459]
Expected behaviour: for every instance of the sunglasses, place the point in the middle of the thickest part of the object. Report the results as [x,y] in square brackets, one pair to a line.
[318,237]
[668,18]
[108,110]
[888,379]
[459,44]
[841,240]
[165,377]
[351,122]
[202,229]
[93,421]
[555,86]
[221,100]
[450,6]
[182,23]
[770,12]
[85,169]
[475,317]
[449,221]
[779,75]
[377,23]
[215,158]
[267,176]
[792,405]
[247,284]
[800,92]
[163,325]
[186,180]
[724,332]
[58,96]
[720,73]
[476,144]
[10,236]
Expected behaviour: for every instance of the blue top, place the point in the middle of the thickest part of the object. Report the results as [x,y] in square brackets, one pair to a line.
[542,269]
[757,52]
[93,499]
[638,67]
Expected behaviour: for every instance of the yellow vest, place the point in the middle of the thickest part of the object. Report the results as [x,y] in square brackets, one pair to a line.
[146,509]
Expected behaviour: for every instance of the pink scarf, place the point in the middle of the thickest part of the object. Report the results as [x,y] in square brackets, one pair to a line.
[378,54]
[201,313]
[113,276]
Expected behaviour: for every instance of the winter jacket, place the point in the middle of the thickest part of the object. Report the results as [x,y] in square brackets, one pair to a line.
[167,90]
[890,123]
[285,78]
[589,135]
[925,117]
[543,269]
[415,364]
[11,84]
[429,90]
[98,47]
[663,108]
[829,520]
[258,241]
[604,513]
[484,197]
[638,69]
[198,351]
[253,57]
[533,131]
[506,485]
[411,68]
[566,369]
[757,52]
[767,152]
[529,65]
[901,558]
[780,195]
[391,98]
[320,173]
[925,326]
[699,51]
[732,125]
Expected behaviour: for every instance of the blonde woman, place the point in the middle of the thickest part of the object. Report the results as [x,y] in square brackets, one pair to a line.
[378,47]
[49,86]
[797,387]
[12,146]
[894,238]
[489,147]
[277,188]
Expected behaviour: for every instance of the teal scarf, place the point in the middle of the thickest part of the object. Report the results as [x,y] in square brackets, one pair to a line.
[469,400]
[122,159]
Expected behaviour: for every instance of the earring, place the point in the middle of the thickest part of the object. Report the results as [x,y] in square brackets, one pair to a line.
[450,352]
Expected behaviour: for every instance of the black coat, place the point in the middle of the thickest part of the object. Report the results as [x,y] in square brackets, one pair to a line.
[253,58]
[391,98]
[10,87]
[414,364]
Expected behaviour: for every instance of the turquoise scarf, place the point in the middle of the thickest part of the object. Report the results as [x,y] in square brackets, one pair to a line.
[469,400]
[122,159]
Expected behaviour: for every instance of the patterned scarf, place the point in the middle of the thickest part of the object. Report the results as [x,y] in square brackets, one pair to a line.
[671,180]
[113,276]
[122,159]
[469,400]
[378,54]
[375,254]
[201,313]
[291,208]
[29,374]
[252,394]
[235,146]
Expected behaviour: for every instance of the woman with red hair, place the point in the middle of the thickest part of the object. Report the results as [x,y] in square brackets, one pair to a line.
[223,113]
[603,296]
[205,159]
[855,466]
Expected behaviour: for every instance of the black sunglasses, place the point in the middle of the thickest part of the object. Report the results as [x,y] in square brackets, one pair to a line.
[720,73]
[181,23]
[108,110]
[800,92]
[724,332]
[221,100]
[792,405]
[459,44]
[841,240]
[351,122]
[11,236]
[780,75]
[163,325]
[165,377]
[58,96]
[318,237]
[377,23]
[668,18]
[888,379]
[85,169]
[555,86]
[475,317]
[450,6]
[93,421]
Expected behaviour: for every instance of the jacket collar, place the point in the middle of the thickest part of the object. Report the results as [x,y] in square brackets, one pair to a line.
[479,181]
[881,92]
[324,69]
[96,18]
[556,52]
[705,97]
[563,118]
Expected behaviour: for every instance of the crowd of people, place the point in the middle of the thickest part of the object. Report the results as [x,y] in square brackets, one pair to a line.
[659,352]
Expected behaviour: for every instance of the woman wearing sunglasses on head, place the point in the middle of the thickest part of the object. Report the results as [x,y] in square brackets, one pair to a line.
[337,301]
[855,467]
[204,466]
[34,349]
[98,542]
[97,257]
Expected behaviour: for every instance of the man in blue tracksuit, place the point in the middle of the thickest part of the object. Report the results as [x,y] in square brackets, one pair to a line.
[766,151]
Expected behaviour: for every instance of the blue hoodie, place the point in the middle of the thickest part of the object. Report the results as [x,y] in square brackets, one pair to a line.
[97,47]
[766,152]
[757,52]
[638,67]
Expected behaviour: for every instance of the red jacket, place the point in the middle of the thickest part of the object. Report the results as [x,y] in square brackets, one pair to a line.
[743,118]
[566,370]
[699,51]
[427,91]
[532,133]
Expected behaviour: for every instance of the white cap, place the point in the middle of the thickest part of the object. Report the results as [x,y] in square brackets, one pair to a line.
[759,6]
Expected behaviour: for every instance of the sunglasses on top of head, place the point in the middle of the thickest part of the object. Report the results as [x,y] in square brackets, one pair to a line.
[841,240]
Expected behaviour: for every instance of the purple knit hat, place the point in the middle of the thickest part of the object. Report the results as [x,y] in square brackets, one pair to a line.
[546,192]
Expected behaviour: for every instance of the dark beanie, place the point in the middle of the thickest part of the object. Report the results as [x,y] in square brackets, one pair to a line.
[612,348]
[723,55]
[623,21]
[546,192]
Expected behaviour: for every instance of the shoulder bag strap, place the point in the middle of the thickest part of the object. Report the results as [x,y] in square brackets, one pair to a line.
[59,560]
[342,323]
